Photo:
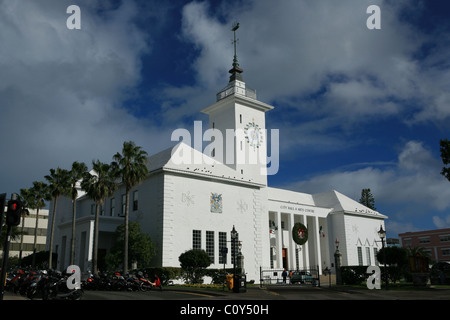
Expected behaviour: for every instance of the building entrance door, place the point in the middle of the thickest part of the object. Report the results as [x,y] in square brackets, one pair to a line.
[285,258]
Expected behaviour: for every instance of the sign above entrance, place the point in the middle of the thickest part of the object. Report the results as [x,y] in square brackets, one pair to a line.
[300,233]
[297,208]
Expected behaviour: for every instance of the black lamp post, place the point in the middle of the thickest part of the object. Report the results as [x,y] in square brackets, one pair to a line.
[234,235]
[382,235]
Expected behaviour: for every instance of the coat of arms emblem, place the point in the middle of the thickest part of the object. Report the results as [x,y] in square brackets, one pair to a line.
[216,202]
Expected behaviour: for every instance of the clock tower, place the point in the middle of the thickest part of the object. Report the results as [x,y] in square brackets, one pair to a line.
[240,119]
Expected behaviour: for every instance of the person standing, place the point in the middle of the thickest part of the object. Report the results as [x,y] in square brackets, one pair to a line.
[284,275]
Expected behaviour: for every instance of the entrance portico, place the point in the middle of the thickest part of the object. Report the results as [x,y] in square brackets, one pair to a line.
[285,253]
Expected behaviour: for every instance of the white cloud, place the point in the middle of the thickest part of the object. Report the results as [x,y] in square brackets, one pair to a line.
[61,91]
[441,223]
[414,179]
[318,59]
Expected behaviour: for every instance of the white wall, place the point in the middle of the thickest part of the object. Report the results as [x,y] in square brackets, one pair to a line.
[361,232]
[188,209]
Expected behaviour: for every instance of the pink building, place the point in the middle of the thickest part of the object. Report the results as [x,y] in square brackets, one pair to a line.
[436,242]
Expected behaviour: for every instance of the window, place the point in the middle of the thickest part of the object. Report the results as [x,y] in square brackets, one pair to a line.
[271,257]
[445,252]
[375,252]
[369,263]
[222,246]
[444,238]
[135,200]
[407,242]
[112,210]
[424,240]
[93,207]
[210,245]
[240,118]
[32,231]
[360,257]
[196,239]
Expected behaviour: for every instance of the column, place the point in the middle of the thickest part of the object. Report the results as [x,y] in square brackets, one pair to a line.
[292,244]
[279,242]
[317,240]
[306,245]
[91,227]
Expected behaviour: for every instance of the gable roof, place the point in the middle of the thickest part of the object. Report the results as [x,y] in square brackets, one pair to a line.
[342,203]
[184,159]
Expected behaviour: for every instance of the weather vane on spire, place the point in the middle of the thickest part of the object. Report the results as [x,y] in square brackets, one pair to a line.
[235,71]
[235,27]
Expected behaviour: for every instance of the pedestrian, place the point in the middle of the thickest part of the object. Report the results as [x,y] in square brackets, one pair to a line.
[284,275]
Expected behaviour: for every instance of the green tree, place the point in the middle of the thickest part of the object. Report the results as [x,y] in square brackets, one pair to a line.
[15,233]
[59,185]
[396,261]
[77,172]
[35,197]
[25,198]
[367,199]
[141,247]
[98,186]
[445,156]
[131,167]
[194,262]
[394,256]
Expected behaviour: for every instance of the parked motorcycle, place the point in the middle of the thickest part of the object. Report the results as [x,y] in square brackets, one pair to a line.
[14,280]
[55,288]
[36,286]
[147,284]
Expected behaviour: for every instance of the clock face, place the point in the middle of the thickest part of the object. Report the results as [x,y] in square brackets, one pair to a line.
[253,134]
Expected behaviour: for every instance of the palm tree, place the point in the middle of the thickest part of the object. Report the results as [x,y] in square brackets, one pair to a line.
[35,197]
[419,258]
[59,185]
[131,167]
[78,171]
[25,197]
[98,186]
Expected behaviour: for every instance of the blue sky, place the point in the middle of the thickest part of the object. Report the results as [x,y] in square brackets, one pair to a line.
[356,108]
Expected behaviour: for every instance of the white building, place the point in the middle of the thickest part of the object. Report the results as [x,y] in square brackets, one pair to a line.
[189,200]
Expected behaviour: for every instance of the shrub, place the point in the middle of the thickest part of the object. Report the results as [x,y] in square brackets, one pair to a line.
[193,263]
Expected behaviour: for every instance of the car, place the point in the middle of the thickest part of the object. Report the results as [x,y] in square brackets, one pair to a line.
[301,277]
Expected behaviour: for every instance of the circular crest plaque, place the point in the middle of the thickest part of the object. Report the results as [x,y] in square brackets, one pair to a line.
[300,233]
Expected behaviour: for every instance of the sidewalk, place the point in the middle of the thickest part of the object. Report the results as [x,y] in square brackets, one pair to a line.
[12,296]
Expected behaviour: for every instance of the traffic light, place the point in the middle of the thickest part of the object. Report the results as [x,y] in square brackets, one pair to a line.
[14,213]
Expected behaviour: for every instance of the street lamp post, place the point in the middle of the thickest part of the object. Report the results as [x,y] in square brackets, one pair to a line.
[238,279]
[234,235]
[382,235]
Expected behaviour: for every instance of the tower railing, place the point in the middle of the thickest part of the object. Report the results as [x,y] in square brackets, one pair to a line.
[229,90]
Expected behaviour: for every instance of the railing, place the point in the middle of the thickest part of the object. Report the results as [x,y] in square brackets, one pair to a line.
[275,277]
[250,93]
